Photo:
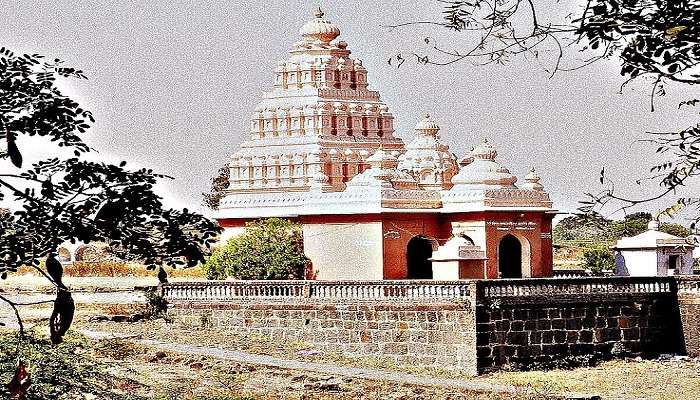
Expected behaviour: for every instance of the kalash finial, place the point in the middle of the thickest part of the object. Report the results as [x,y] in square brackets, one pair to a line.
[319,13]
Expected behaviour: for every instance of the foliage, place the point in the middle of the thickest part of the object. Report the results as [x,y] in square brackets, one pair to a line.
[68,198]
[598,259]
[588,227]
[219,184]
[63,371]
[675,230]
[269,249]
[631,225]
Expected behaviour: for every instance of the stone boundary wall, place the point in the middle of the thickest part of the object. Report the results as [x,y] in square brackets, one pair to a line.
[441,334]
[475,325]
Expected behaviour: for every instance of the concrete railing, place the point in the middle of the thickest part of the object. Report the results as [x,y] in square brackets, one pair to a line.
[358,290]
[416,290]
[568,287]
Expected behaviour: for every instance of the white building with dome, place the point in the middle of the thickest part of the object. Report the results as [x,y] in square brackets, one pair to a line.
[322,151]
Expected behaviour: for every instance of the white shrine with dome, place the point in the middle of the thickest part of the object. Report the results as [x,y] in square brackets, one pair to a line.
[322,151]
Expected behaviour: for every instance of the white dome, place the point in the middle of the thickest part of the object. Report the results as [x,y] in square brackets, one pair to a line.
[427,159]
[484,170]
[319,29]
[428,125]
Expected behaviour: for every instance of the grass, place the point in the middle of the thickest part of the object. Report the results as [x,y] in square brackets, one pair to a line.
[116,269]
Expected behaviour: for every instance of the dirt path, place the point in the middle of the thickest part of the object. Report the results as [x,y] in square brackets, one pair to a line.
[325,368]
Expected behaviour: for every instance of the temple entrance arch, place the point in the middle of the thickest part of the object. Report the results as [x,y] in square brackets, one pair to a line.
[514,257]
[418,252]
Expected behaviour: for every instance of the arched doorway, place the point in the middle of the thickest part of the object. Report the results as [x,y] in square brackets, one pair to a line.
[418,253]
[510,257]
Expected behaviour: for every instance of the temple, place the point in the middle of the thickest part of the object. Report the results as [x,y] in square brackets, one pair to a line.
[322,151]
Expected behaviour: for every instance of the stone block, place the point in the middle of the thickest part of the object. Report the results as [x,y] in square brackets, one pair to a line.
[544,324]
[588,322]
[531,325]
[574,324]
[558,323]
[483,351]
[535,337]
[503,325]
[517,325]
[547,337]
[630,334]
[560,336]
[601,322]
[517,338]
[585,336]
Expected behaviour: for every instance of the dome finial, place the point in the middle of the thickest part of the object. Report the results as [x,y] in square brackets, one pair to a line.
[319,13]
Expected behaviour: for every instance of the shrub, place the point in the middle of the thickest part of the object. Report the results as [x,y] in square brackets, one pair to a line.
[598,259]
[269,249]
[64,371]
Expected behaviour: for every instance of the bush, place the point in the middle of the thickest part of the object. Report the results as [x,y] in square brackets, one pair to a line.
[269,249]
[64,371]
[598,259]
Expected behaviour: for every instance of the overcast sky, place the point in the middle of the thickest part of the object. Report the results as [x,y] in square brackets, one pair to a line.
[173,84]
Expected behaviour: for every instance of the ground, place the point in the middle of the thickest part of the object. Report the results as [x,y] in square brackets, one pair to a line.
[150,371]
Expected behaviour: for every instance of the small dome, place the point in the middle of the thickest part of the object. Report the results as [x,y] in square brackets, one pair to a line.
[319,29]
[532,181]
[484,151]
[483,170]
[427,125]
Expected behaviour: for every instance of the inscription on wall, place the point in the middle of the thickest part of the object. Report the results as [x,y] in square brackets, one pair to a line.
[513,225]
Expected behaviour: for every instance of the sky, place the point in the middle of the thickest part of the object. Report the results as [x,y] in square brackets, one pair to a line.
[172,85]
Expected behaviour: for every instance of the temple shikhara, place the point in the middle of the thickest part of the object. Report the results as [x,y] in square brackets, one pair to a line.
[322,151]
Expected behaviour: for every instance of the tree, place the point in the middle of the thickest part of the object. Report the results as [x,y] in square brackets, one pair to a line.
[269,249]
[675,230]
[582,227]
[659,41]
[69,198]
[219,184]
[598,259]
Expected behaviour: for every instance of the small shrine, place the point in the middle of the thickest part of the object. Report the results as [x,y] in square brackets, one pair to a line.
[653,253]
[322,151]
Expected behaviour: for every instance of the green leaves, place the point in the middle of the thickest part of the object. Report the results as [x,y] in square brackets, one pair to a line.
[269,249]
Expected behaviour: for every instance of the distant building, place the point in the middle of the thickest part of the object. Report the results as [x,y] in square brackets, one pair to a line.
[653,253]
[322,152]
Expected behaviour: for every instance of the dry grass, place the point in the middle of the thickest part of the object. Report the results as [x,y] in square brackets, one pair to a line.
[116,269]
[623,379]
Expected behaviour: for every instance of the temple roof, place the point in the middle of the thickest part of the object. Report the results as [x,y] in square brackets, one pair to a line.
[322,142]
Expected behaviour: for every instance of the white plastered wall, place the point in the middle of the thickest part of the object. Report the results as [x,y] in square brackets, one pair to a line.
[476,230]
[640,262]
[352,251]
